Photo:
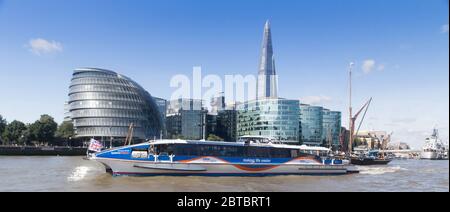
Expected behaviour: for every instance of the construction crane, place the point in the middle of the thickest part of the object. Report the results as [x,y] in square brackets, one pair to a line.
[129,137]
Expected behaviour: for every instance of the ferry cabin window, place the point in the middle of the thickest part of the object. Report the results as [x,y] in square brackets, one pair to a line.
[280,153]
[258,152]
[294,153]
[207,150]
[219,150]
[185,150]
[233,151]
[164,149]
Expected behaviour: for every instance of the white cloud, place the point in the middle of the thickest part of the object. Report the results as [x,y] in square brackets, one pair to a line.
[41,46]
[444,28]
[368,66]
[315,100]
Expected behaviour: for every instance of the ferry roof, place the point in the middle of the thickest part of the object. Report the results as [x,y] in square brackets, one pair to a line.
[303,147]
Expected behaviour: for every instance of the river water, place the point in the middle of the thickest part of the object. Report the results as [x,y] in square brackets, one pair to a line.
[76,174]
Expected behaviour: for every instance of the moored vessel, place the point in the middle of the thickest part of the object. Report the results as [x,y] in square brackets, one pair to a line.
[370,158]
[433,149]
[369,161]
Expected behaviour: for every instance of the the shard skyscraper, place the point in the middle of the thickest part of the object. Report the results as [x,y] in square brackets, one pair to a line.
[267,84]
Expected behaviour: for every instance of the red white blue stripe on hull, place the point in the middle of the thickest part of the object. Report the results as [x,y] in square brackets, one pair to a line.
[139,168]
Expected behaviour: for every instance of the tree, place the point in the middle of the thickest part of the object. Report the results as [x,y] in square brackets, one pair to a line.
[65,131]
[3,125]
[33,130]
[44,129]
[212,137]
[27,136]
[13,132]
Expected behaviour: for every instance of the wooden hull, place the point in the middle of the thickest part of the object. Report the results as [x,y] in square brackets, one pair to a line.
[369,161]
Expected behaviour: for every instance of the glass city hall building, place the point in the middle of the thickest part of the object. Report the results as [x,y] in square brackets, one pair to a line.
[270,117]
[103,103]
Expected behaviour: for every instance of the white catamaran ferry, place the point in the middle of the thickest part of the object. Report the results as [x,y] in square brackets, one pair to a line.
[250,156]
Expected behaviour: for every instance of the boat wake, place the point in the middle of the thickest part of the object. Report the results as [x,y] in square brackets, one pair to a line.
[79,173]
[379,170]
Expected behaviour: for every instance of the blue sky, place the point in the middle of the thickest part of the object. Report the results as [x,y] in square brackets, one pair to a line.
[403,45]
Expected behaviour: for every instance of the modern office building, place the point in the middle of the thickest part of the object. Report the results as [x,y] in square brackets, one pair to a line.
[320,126]
[331,125]
[173,126]
[186,118]
[221,119]
[267,83]
[217,104]
[311,122]
[271,117]
[103,104]
[227,125]
[162,106]
[211,124]
[174,106]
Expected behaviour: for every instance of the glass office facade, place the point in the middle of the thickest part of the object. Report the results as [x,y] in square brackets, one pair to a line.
[174,106]
[162,106]
[103,103]
[193,124]
[186,118]
[275,118]
[311,123]
[226,125]
[331,127]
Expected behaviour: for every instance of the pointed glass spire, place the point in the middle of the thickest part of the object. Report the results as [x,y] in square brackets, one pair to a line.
[266,63]
[267,79]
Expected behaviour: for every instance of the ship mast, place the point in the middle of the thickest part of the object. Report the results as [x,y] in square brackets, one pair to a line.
[352,119]
[350,122]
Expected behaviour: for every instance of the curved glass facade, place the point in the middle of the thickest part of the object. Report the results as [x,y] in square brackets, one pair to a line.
[275,118]
[104,103]
[311,119]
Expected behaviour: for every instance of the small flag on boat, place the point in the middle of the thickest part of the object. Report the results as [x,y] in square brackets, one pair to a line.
[95,145]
